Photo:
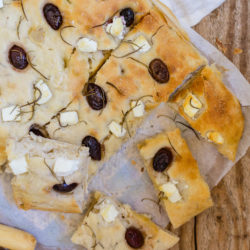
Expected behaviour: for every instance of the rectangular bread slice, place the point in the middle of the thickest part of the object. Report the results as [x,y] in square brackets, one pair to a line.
[49,175]
[109,224]
[175,175]
[212,110]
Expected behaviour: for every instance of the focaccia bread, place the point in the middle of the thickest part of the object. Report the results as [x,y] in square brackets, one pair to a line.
[124,92]
[109,224]
[49,175]
[212,110]
[40,74]
[175,175]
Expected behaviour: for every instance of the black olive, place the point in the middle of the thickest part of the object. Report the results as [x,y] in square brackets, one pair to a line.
[18,57]
[96,96]
[128,15]
[64,188]
[159,71]
[38,130]
[162,159]
[134,237]
[53,16]
[94,147]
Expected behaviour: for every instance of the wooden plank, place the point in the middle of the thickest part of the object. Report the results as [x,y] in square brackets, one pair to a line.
[226,226]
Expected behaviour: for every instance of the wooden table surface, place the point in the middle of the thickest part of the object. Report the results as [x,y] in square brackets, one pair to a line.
[226,226]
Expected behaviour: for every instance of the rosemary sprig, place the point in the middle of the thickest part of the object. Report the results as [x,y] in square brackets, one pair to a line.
[62,29]
[18,27]
[130,53]
[151,39]
[173,146]
[107,21]
[187,126]
[23,10]
[112,85]
[35,69]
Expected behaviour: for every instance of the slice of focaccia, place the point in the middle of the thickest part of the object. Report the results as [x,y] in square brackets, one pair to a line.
[212,110]
[109,224]
[124,90]
[49,175]
[39,73]
[176,176]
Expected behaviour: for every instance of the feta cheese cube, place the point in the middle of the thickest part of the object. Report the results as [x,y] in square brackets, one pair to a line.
[215,137]
[19,165]
[68,118]
[1,4]
[65,167]
[117,27]
[191,105]
[108,212]
[87,45]
[142,42]
[117,129]
[44,91]
[138,108]
[171,192]
[11,113]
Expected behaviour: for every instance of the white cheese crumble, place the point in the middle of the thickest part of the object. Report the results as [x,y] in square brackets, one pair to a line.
[87,45]
[191,105]
[68,118]
[19,166]
[117,27]
[108,212]
[215,137]
[11,113]
[138,108]
[65,167]
[142,43]
[171,192]
[117,129]
[44,91]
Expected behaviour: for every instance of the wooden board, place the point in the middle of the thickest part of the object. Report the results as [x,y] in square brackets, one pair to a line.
[226,226]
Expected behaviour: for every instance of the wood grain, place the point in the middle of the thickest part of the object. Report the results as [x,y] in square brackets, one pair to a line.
[226,226]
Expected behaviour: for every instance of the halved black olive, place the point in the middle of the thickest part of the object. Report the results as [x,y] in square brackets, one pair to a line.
[64,188]
[162,159]
[53,16]
[134,237]
[18,57]
[128,15]
[159,71]
[94,147]
[38,130]
[96,96]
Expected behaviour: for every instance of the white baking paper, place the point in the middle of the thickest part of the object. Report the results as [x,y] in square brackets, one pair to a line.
[190,12]
[126,181]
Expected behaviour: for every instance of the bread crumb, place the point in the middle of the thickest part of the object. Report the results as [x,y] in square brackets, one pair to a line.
[133,162]
[237,51]
[220,46]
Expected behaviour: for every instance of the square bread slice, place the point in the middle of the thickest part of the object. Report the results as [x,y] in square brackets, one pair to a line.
[176,176]
[49,175]
[212,110]
[109,224]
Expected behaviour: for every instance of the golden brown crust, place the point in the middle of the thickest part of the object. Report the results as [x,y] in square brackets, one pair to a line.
[221,110]
[94,229]
[184,170]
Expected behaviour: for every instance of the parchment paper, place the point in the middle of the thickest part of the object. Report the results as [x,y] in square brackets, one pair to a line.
[125,180]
